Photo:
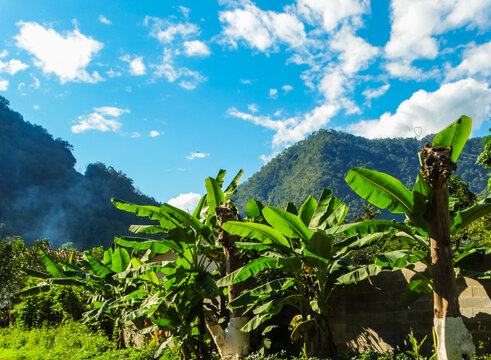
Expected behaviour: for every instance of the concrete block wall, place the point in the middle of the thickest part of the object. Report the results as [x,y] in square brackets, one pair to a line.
[369,315]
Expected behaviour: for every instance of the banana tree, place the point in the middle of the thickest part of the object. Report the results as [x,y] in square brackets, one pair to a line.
[305,264]
[427,209]
[186,299]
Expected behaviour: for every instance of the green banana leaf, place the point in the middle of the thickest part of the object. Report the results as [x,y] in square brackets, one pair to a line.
[260,232]
[156,246]
[252,268]
[234,184]
[253,209]
[307,210]
[214,195]
[287,223]
[359,274]
[382,190]
[465,217]
[52,268]
[251,296]
[455,135]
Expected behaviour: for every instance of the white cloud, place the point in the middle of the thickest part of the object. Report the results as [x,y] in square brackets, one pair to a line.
[188,79]
[416,23]
[186,202]
[431,111]
[154,133]
[111,73]
[35,83]
[36,107]
[375,93]
[65,55]
[260,29]
[287,88]
[246,81]
[273,93]
[12,66]
[476,61]
[196,48]
[331,13]
[135,134]
[103,119]
[185,11]
[290,130]
[3,54]
[4,85]
[137,67]
[104,20]
[197,155]
[166,31]
[253,108]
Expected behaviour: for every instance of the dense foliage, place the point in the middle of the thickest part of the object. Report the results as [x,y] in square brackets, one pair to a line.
[323,159]
[43,196]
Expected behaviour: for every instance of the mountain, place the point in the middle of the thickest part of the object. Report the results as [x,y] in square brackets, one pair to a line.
[43,196]
[323,159]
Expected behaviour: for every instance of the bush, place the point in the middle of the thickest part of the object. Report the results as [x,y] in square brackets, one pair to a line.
[49,308]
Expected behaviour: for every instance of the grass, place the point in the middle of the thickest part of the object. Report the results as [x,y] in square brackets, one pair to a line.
[68,341]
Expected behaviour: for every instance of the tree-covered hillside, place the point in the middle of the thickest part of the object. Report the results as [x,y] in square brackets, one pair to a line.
[42,196]
[323,159]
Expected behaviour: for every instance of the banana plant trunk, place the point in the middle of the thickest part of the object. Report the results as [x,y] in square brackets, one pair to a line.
[454,341]
[231,342]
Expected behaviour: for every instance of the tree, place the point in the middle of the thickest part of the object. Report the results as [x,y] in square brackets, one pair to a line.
[427,208]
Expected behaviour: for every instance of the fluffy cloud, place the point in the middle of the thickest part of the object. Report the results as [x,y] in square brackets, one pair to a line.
[331,13]
[189,79]
[290,130]
[287,88]
[12,66]
[4,85]
[431,111]
[260,29]
[154,133]
[476,61]
[137,67]
[186,202]
[375,93]
[103,119]
[166,31]
[197,155]
[273,93]
[415,23]
[65,55]
[196,48]
[104,20]
[253,108]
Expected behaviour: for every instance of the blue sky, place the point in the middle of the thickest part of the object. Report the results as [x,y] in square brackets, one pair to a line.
[169,92]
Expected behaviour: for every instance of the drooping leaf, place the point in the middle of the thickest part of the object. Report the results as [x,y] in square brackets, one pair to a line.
[146,229]
[336,217]
[261,232]
[156,246]
[414,290]
[288,224]
[253,209]
[465,217]
[359,274]
[396,259]
[182,217]
[36,274]
[382,190]
[214,194]
[153,212]
[365,241]
[455,135]
[368,227]
[120,260]
[245,272]
[52,268]
[307,210]
[234,184]
[35,290]
[99,269]
[270,287]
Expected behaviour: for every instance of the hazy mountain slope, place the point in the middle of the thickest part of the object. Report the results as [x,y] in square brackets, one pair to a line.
[41,194]
[323,159]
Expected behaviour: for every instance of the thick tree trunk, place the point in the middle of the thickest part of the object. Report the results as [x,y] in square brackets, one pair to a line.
[231,342]
[454,341]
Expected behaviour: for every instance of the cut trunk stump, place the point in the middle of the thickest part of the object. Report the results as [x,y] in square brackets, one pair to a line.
[454,341]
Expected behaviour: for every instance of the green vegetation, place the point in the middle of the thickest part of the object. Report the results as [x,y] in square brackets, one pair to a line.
[322,160]
[43,196]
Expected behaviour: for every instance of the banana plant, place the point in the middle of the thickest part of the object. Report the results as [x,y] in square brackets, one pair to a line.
[304,263]
[427,209]
[186,292]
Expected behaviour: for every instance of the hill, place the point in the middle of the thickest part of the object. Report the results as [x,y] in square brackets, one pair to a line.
[43,196]
[323,159]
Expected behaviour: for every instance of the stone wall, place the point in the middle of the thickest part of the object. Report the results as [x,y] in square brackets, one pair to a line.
[369,314]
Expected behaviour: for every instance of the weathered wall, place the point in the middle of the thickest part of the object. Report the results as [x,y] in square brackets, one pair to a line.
[369,314]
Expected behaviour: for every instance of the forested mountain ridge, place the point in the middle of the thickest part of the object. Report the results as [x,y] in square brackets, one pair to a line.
[323,159]
[43,196]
